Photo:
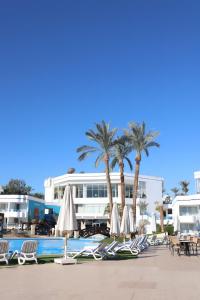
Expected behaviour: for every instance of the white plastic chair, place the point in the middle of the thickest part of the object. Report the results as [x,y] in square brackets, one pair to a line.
[28,252]
[4,253]
[98,252]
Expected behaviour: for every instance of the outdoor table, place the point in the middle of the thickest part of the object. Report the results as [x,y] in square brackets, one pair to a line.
[186,246]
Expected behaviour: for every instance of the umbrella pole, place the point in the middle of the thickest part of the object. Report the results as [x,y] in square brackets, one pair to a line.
[65,247]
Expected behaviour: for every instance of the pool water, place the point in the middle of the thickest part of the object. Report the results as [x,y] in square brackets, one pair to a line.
[51,246]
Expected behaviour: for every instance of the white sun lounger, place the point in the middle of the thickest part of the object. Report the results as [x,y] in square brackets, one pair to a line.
[98,252]
[28,252]
[4,253]
[131,247]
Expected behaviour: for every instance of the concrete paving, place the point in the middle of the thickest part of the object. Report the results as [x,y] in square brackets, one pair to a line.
[156,274]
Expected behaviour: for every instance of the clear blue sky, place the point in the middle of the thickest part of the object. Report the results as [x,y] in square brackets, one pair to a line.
[65,65]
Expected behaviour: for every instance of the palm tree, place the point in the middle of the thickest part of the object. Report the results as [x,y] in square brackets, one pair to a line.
[184,186]
[140,142]
[103,137]
[142,204]
[160,209]
[120,153]
[175,190]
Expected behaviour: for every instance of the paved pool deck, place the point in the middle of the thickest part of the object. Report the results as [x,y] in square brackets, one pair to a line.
[156,274]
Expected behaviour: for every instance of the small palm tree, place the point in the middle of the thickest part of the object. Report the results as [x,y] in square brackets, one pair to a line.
[142,204]
[184,186]
[142,225]
[103,137]
[175,190]
[140,142]
[120,153]
[160,209]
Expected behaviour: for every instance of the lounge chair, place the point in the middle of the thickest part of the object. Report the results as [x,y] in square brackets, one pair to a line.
[4,253]
[110,249]
[97,252]
[28,252]
[131,247]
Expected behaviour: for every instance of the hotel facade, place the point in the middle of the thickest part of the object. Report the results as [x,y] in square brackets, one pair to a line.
[186,210]
[18,209]
[90,194]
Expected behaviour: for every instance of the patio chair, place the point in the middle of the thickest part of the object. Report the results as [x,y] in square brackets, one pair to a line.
[131,247]
[175,245]
[97,252]
[4,253]
[28,252]
[110,249]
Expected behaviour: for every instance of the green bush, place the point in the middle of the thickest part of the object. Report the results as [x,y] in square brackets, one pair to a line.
[169,228]
[158,228]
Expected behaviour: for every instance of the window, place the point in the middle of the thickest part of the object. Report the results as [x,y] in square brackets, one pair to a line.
[17,207]
[96,191]
[198,186]
[186,227]
[142,189]
[188,210]
[114,190]
[3,206]
[100,190]
[79,190]
[90,209]
[128,191]
[169,211]
[59,192]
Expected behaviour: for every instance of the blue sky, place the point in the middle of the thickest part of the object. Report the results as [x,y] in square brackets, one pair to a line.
[65,65]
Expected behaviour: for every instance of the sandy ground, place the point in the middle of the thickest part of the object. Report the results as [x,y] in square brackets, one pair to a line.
[156,274]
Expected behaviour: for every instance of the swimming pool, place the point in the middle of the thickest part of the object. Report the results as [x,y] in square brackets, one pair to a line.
[51,246]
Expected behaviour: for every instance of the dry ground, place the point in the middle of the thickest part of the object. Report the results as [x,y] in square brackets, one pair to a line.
[156,274]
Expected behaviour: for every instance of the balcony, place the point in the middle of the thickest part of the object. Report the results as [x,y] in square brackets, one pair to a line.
[15,214]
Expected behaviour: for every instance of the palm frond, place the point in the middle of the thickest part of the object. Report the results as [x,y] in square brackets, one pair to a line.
[129,163]
[152,144]
[113,163]
[85,154]
[98,160]
[85,148]
[146,151]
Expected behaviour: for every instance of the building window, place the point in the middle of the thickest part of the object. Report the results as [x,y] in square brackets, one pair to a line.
[115,190]
[128,191]
[96,191]
[100,190]
[16,220]
[79,190]
[142,189]
[187,227]
[169,211]
[198,186]
[3,206]
[91,209]
[17,207]
[59,192]
[188,210]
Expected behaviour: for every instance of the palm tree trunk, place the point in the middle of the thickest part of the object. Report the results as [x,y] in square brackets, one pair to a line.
[135,186]
[121,167]
[109,187]
[161,219]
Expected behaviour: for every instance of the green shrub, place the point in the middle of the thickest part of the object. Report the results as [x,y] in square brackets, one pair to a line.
[169,228]
[158,228]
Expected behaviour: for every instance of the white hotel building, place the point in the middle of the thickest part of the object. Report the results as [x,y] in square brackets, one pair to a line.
[20,208]
[90,194]
[186,210]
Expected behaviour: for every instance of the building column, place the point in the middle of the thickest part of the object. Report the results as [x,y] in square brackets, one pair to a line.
[82,224]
